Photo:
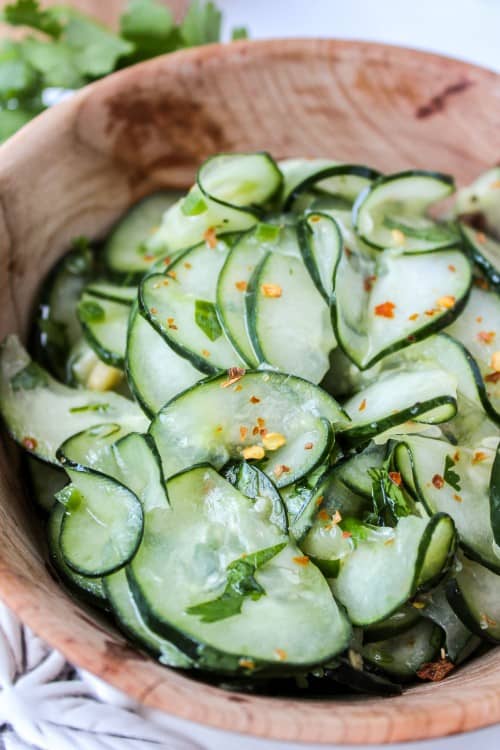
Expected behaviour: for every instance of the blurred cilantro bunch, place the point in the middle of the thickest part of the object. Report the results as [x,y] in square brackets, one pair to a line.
[70,49]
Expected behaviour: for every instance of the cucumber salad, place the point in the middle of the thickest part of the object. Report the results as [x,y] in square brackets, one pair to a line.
[262,421]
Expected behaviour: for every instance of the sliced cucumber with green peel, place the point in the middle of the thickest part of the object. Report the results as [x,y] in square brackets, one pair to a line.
[102,525]
[474,594]
[405,654]
[383,305]
[339,180]
[392,212]
[321,244]
[104,323]
[399,622]
[459,639]
[155,372]
[200,425]
[43,482]
[281,614]
[131,621]
[91,589]
[456,480]
[379,576]
[354,471]
[281,297]
[113,292]
[180,305]
[126,250]
[485,252]
[246,181]
[41,413]
[481,199]
[253,483]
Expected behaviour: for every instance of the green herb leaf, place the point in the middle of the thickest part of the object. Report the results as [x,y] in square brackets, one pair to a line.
[267,232]
[241,584]
[389,500]
[194,203]
[70,497]
[150,27]
[11,120]
[79,261]
[205,316]
[29,13]
[90,312]
[30,377]
[451,477]
[17,78]
[358,530]
[96,50]
[239,32]
[92,406]
[55,61]
[201,24]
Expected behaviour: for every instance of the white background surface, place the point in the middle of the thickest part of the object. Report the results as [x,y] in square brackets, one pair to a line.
[467,29]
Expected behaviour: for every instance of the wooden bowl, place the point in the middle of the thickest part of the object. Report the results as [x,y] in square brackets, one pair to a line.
[78,167]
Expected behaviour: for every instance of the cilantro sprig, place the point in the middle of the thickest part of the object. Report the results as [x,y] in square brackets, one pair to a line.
[70,49]
[388,497]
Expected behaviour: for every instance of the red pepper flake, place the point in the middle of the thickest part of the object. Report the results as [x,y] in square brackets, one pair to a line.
[218,429]
[261,422]
[301,560]
[495,362]
[486,337]
[457,498]
[452,268]
[348,251]
[323,515]
[493,377]
[148,258]
[238,387]
[210,238]
[246,663]
[435,670]
[171,324]
[153,310]
[478,457]
[438,481]
[430,313]
[187,265]
[362,405]
[164,282]
[255,431]
[368,282]
[480,238]
[385,310]
[281,654]
[29,443]
[395,478]
[241,286]
[479,319]
[233,375]
[346,535]
[446,302]
[243,432]
[413,316]
[254,400]
[480,283]
[308,446]
[320,500]
[282,469]
[167,261]
[456,457]
[205,352]
[172,274]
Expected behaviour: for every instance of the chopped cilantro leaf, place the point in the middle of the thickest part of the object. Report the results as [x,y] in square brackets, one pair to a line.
[205,316]
[29,13]
[240,584]
[388,498]
[201,24]
[451,477]
[90,312]
[239,32]
[93,406]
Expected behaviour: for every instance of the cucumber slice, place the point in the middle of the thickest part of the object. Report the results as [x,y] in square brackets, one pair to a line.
[245,181]
[459,639]
[155,372]
[104,323]
[102,525]
[253,483]
[210,526]
[339,180]
[379,576]
[485,252]
[481,199]
[91,589]
[235,276]
[181,307]
[474,594]
[354,472]
[495,497]
[44,481]
[426,394]
[392,212]
[303,500]
[399,622]
[456,480]
[104,290]
[320,241]
[478,329]
[403,655]
[384,305]
[28,394]
[57,328]
[126,250]
[281,298]
[200,424]
[132,623]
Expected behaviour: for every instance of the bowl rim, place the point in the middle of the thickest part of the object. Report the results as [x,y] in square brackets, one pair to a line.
[213,706]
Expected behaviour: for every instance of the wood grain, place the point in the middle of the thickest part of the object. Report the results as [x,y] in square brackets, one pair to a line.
[76,169]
